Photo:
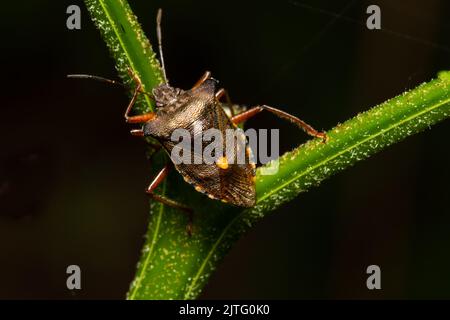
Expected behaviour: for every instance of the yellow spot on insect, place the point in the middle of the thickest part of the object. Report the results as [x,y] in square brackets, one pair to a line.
[211,197]
[222,163]
[199,189]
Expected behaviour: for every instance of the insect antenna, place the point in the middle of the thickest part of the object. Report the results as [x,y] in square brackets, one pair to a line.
[97,78]
[106,80]
[159,36]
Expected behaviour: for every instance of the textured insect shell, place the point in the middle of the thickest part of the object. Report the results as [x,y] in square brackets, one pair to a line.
[233,183]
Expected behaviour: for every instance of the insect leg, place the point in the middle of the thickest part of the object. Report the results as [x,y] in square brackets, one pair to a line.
[205,77]
[142,117]
[140,133]
[137,133]
[279,113]
[221,93]
[169,202]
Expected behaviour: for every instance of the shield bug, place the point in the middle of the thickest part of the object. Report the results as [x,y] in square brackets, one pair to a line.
[225,179]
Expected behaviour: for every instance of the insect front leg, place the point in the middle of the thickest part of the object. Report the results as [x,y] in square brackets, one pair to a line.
[155,146]
[230,109]
[205,77]
[169,202]
[142,118]
[222,93]
[140,133]
[281,114]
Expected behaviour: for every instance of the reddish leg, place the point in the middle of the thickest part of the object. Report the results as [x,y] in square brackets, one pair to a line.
[169,202]
[284,115]
[137,133]
[142,117]
[140,133]
[205,77]
[221,93]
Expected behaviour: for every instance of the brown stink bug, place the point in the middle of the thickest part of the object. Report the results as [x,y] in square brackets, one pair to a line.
[225,179]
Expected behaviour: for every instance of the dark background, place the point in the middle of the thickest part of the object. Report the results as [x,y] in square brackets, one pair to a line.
[72,178]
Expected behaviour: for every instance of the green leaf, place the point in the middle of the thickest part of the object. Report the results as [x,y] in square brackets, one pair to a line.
[176,266]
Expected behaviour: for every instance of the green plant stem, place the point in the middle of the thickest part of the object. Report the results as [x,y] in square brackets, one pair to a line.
[128,45]
[176,266]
